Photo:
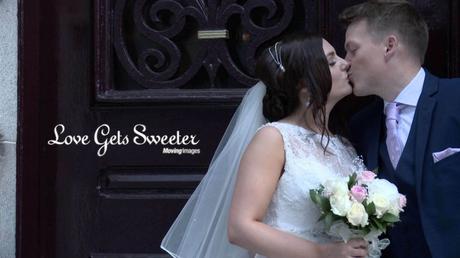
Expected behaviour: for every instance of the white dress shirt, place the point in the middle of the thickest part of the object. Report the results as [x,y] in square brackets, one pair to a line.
[408,97]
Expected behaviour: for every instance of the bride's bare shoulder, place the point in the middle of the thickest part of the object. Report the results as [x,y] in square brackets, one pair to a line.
[269,134]
[267,143]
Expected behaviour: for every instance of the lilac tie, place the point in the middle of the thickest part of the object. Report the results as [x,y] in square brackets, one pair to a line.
[393,141]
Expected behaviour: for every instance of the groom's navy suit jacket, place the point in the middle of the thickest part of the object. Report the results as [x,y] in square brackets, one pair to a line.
[436,126]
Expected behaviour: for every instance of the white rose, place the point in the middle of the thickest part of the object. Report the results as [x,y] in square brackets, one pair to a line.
[383,187]
[394,208]
[382,205]
[336,187]
[357,215]
[384,195]
[340,204]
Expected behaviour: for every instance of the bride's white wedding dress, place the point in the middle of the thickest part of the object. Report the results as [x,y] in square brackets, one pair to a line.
[306,167]
[200,230]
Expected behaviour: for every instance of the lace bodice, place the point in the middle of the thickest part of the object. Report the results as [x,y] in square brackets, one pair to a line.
[306,167]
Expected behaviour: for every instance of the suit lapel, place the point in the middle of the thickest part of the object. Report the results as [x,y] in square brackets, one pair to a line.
[424,114]
[373,134]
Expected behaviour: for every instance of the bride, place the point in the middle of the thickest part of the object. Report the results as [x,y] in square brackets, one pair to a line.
[254,200]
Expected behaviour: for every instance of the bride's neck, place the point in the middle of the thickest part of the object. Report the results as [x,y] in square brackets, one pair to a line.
[304,117]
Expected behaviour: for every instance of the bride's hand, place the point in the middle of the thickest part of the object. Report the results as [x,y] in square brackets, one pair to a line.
[351,249]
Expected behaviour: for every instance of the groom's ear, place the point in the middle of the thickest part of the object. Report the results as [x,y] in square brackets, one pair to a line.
[390,43]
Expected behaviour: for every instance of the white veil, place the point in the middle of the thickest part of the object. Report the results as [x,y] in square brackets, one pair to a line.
[200,230]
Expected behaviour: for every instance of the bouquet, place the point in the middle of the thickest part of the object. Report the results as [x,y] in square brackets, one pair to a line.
[359,206]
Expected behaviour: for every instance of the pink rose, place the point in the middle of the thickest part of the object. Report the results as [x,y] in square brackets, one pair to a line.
[359,193]
[366,177]
[402,201]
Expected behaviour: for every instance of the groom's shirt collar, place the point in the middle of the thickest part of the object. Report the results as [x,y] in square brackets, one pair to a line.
[409,97]
[411,93]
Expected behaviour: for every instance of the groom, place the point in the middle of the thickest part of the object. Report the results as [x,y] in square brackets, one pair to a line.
[411,132]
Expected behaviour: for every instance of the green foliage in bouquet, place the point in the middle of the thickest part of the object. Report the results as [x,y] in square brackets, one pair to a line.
[374,222]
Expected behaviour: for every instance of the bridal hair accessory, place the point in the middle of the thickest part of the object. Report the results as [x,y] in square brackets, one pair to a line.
[277,56]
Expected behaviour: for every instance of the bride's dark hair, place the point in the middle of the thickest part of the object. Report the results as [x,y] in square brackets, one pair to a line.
[305,65]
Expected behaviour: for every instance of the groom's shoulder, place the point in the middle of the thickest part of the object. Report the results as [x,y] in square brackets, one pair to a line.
[447,95]
[450,84]
[450,87]
[449,91]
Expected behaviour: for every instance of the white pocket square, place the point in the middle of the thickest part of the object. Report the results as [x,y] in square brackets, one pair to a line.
[438,156]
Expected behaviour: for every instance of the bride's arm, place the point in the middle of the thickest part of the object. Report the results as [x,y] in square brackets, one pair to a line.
[258,176]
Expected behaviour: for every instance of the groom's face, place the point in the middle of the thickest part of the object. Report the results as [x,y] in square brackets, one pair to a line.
[365,55]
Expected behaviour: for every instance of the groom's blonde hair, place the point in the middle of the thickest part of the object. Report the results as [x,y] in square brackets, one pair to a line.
[383,16]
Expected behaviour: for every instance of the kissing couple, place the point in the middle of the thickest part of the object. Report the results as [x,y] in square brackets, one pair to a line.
[253,201]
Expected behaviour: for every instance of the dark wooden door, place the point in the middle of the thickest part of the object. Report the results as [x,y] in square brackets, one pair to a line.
[176,67]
